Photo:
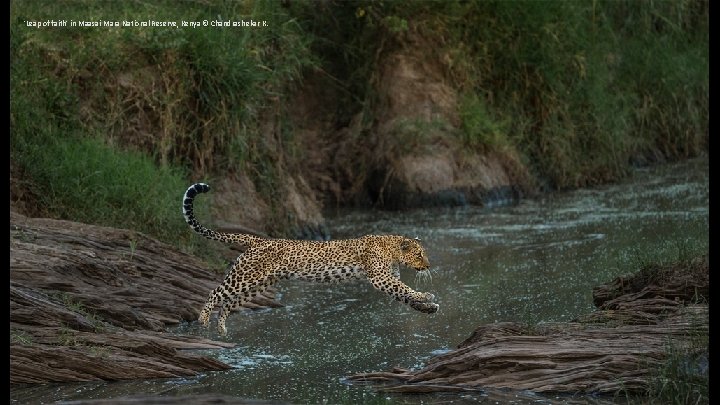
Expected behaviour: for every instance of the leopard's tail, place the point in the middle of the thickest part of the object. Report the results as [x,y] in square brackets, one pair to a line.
[187,206]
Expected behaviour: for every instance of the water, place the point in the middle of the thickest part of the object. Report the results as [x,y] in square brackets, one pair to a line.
[532,262]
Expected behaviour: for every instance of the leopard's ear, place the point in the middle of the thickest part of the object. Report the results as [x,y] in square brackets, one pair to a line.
[405,245]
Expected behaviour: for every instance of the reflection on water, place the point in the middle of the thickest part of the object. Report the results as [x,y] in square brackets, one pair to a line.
[533,262]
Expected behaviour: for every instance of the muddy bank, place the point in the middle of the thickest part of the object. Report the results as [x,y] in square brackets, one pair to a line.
[615,349]
[420,158]
[92,303]
[404,149]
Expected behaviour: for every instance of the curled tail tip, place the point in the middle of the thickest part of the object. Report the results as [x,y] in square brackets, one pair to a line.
[190,194]
[201,187]
[196,189]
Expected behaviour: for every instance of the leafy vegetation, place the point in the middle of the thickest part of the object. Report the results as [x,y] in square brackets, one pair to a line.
[108,123]
[581,89]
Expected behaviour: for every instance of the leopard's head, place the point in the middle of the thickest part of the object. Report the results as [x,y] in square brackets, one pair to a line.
[413,255]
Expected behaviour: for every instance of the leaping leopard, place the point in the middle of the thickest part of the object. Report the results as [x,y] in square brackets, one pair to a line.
[266,261]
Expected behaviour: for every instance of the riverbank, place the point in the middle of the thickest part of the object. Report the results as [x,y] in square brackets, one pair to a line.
[649,336]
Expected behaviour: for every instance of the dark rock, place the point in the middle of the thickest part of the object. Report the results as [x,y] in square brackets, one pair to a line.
[84,306]
[445,178]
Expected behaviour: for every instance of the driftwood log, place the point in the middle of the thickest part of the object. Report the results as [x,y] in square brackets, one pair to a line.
[92,303]
[172,400]
[612,350]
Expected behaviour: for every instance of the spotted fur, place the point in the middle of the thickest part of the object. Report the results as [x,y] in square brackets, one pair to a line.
[267,261]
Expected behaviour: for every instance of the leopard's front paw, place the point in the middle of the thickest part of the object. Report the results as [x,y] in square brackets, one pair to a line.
[425,307]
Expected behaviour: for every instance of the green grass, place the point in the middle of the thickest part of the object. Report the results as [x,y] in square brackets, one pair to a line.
[479,127]
[93,183]
[108,124]
[683,376]
[186,96]
[19,336]
[680,252]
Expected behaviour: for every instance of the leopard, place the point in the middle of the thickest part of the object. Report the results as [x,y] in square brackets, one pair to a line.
[265,261]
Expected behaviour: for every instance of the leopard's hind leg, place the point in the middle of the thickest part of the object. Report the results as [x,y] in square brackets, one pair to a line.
[239,300]
[222,293]
[217,296]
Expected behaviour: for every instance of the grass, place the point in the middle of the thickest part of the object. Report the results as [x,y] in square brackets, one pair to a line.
[73,305]
[479,127]
[187,96]
[581,89]
[21,337]
[672,253]
[683,376]
[67,337]
[108,124]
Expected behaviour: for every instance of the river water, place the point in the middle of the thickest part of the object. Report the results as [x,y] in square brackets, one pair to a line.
[533,262]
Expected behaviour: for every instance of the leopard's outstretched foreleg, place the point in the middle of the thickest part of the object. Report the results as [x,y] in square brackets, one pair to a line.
[420,301]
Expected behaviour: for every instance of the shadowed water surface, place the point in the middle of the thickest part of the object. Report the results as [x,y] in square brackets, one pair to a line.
[533,262]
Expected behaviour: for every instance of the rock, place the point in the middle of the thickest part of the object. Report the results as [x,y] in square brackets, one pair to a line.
[85,306]
[445,178]
[613,350]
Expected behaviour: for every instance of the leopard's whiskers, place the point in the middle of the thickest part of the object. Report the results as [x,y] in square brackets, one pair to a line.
[423,277]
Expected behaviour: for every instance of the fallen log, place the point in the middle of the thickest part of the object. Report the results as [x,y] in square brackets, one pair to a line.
[612,350]
[172,400]
[93,303]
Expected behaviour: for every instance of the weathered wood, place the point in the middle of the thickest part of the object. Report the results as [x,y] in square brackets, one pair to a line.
[611,350]
[91,303]
[172,400]
[680,282]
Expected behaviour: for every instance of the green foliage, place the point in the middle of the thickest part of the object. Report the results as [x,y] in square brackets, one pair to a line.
[76,306]
[673,251]
[83,179]
[67,336]
[665,64]
[19,336]
[107,123]
[581,89]
[479,127]
[346,37]
[200,90]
